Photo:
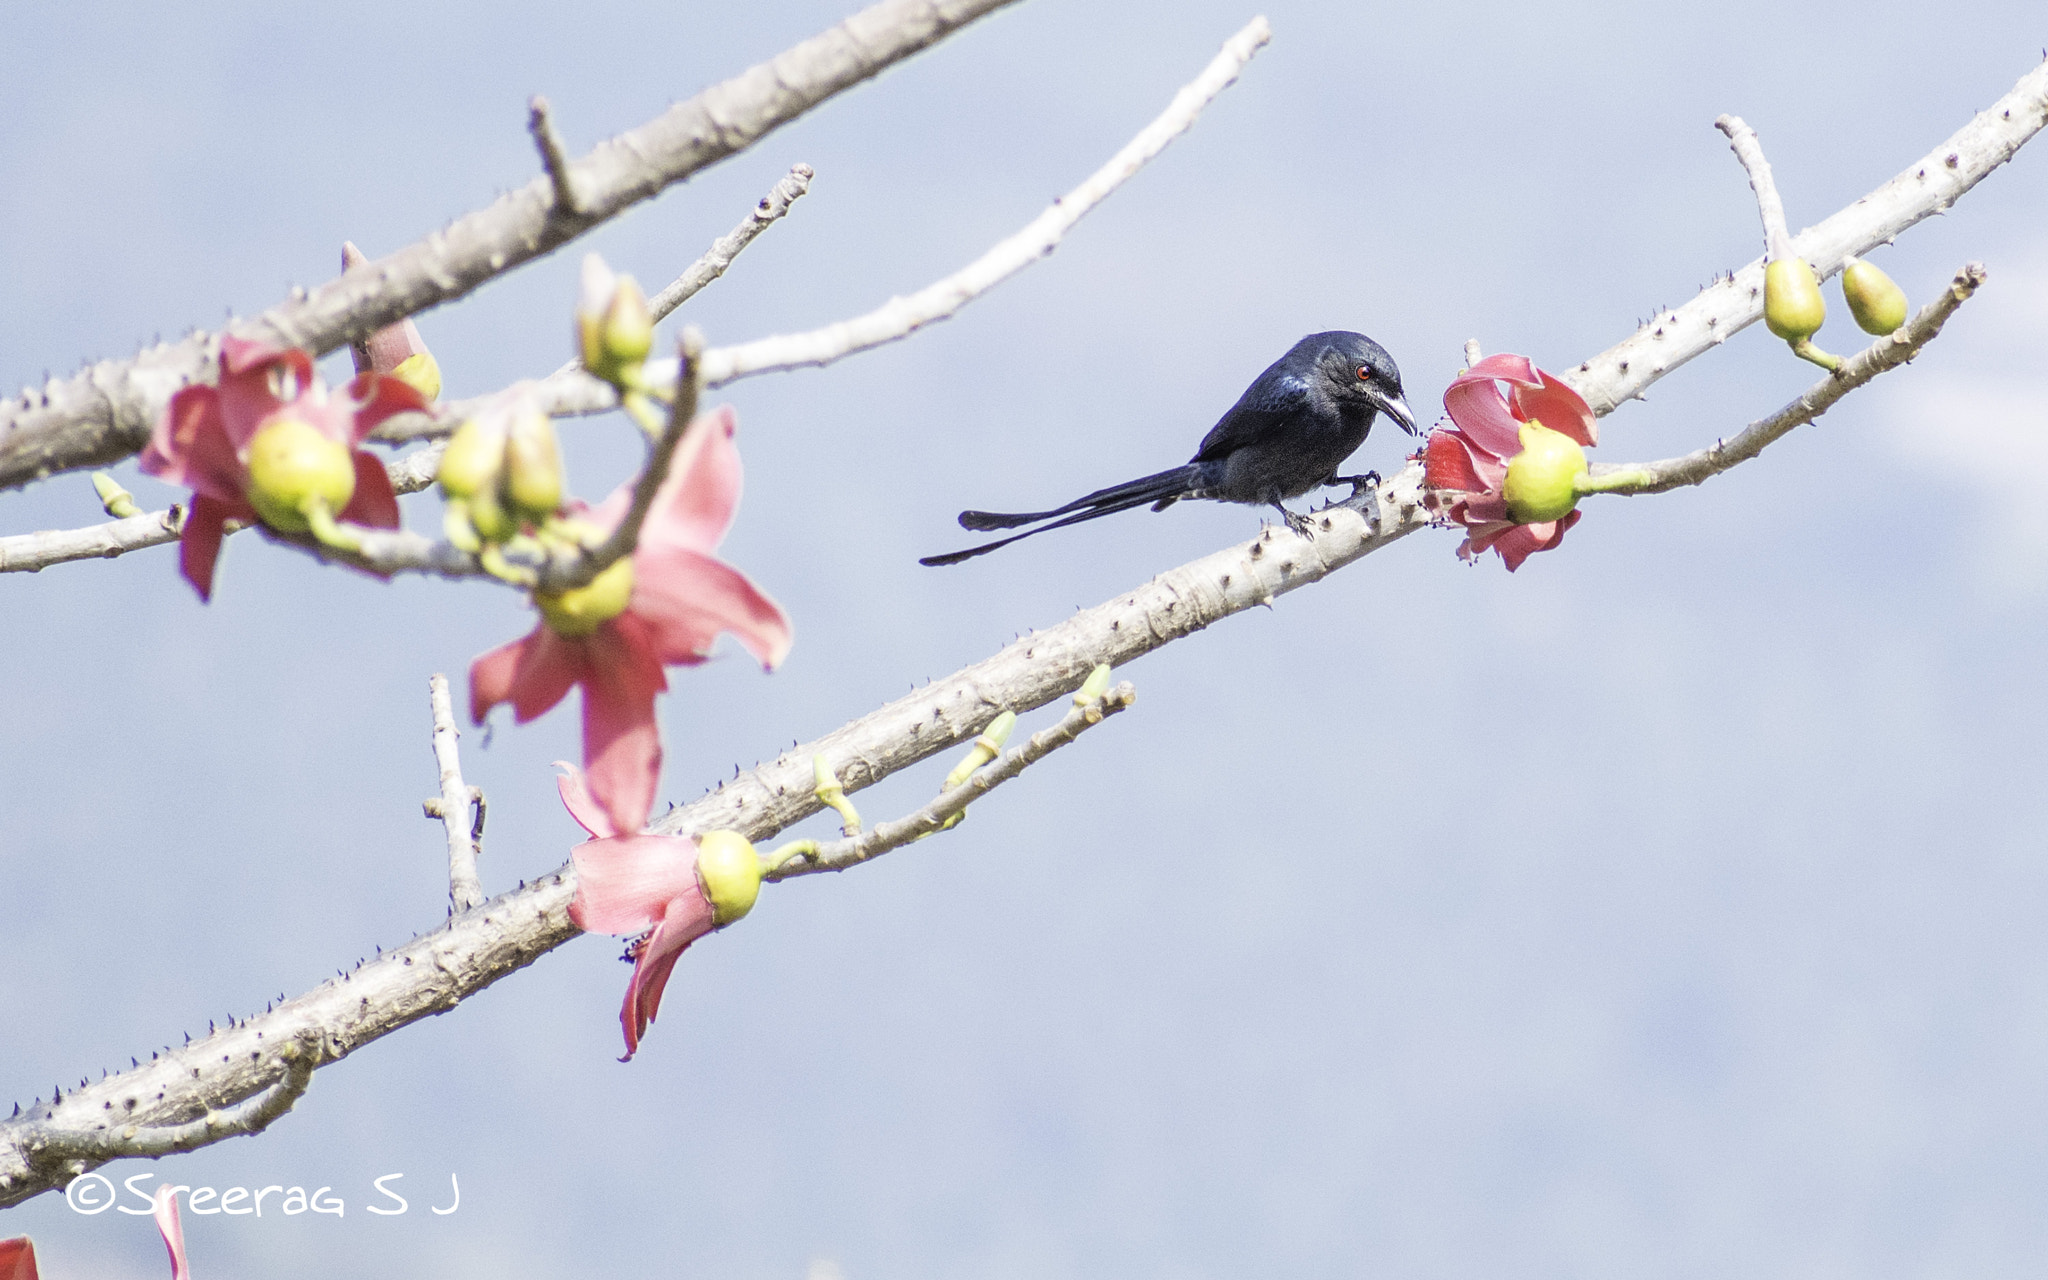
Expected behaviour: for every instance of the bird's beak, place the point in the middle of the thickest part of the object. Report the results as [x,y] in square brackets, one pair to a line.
[1398,410]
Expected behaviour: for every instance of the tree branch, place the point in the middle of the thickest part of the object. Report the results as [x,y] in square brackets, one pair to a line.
[719,256]
[553,158]
[455,803]
[1881,356]
[1750,151]
[106,411]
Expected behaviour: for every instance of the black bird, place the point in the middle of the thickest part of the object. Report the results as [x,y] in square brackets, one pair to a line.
[1287,434]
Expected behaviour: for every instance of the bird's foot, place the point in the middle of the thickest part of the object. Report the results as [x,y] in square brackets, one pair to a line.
[1302,525]
[1359,484]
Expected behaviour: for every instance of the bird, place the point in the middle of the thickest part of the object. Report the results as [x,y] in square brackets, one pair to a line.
[1287,434]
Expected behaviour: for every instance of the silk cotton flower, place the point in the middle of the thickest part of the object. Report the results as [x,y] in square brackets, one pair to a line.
[681,598]
[203,439]
[1465,468]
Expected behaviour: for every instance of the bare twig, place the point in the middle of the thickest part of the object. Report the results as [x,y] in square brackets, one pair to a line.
[837,855]
[719,256]
[1750,151]
[73,1151]
[453,806]
[1885,354]
[105,412]
[552,157]
[28,552]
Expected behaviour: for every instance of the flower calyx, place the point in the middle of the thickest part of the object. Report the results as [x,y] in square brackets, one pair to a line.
[729,871]
[295,467]
[1541,480]
[614,328]
[1878,304]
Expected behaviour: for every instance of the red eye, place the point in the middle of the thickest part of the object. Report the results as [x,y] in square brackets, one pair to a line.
[1365,373]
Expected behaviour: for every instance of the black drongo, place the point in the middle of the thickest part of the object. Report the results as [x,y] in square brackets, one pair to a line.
[1287,434]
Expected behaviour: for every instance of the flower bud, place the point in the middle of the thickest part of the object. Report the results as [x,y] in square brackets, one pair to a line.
[1878,305]
[1539,485]
[614,328]
[422,373]
[580,611]
[1793,307]
[533,464]
[729,873]
[291,464]
[472,460]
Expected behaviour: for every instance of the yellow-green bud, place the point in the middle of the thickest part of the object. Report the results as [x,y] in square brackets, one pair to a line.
[580,611]
[628,324]
[614,328]
[1539,486]
[472,460]
[492,520]
[1878,305]
[290,465]
[1793,307]
[533,465]
[730,874]
[422,373]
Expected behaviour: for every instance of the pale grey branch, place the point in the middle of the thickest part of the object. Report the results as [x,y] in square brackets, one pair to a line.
[553,158]
[720,255]
[1881,356]
[1749,149]
[28,552]
[460,807]
[837,855]
[106,411]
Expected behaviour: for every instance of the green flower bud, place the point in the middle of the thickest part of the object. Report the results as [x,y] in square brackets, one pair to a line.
[533,465]
[1793,307]
[582,610]
[614,328]
[1539,485]
[730,874]
[472,460]
[291,464]
[492,520]
[1878,305]
[422,373]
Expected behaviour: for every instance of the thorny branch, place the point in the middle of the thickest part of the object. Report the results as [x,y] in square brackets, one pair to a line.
[455,803]
[105,412]
[477,947]
[838,855]
[1743,141]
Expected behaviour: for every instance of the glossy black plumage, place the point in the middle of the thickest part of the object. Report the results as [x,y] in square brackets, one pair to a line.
[1287,434]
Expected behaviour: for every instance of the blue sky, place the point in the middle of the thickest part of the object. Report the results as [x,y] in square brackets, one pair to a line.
[1673,907]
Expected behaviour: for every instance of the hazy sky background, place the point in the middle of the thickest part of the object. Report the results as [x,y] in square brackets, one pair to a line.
[1675,907]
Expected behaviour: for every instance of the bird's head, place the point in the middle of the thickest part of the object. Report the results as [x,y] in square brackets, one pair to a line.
[1360,372]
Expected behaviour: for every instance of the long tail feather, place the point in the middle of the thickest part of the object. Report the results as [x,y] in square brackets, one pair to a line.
[955,557]
[1163,484]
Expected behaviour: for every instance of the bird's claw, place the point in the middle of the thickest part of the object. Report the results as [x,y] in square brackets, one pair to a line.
[1359,484]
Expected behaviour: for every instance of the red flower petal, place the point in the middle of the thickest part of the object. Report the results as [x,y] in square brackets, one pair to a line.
[374,504]
[625,884]
[376,398]
[1476,406]
[190,446]
[18,1259]
[621,743]
[549,667]
[199,542]
[173,1230]
[577,800]
[249,393]
[689,918]
[1447,464]
[492,676]
[687,598]
[697,501]
[1556,406]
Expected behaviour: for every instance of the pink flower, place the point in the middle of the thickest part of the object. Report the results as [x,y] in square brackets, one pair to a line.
[1464,468]
[681,598]
[203,439]
[18,1259]
[633,884]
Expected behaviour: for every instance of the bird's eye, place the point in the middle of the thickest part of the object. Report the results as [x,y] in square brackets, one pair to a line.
[1365,373]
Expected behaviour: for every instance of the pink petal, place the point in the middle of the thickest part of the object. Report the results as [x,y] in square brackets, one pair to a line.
[374,503]
[577,800]
[491,676]
[621,743]
[689,918]
[375,397]
[550,666]
[1447,463]
[687,598]
[190,446]
[18,1259]
[625,884]
[696,503]
[1476,406]
[1523,541]
[199,542]
[1556,406]
[173,1231]
[249,394]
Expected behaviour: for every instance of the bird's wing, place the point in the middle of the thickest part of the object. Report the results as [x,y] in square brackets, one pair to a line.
[1266,405]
